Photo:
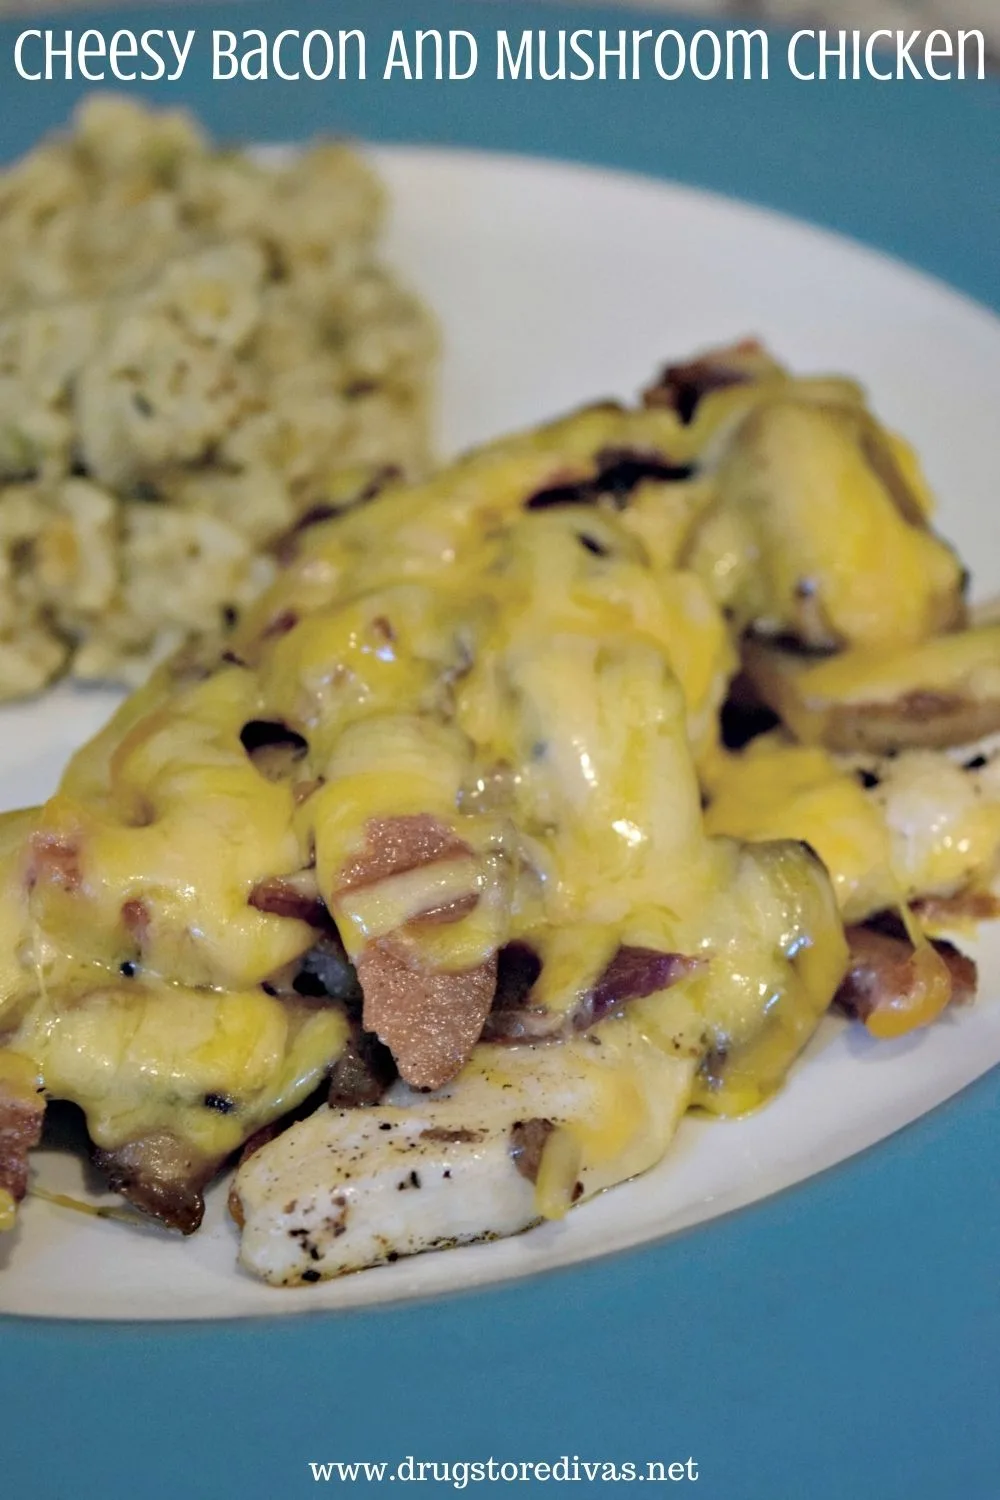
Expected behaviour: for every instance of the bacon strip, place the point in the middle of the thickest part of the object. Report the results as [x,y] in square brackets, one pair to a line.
[527,1142]
[21,1115]
[883,973]
[681,387]
[429,1019]
[396,845]
[964,906]
[56,860]
[293,896]
[632,974]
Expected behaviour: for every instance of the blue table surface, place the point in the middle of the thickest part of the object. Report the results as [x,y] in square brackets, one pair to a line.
[837,1342]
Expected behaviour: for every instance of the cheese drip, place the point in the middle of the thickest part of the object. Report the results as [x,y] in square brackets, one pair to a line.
[889,830]
[528,651]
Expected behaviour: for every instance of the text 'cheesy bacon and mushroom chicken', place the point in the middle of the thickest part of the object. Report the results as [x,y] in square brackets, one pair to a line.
[533,804]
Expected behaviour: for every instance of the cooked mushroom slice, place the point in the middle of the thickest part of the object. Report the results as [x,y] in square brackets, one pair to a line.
[172,1081]
[162,1176]
[362,1073]
[819,530]
[943,692]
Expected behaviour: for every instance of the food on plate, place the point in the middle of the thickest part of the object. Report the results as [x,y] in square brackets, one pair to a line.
[196,349]
[22,1110]
[894,986]
[890,829]
[437,884]
[944,691]
[810,495]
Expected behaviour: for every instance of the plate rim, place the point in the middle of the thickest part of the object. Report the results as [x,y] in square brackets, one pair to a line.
[956,284]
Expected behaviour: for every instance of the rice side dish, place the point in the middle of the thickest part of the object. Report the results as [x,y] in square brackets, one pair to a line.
[197,349]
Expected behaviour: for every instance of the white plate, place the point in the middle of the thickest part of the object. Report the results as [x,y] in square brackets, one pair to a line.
[556,285]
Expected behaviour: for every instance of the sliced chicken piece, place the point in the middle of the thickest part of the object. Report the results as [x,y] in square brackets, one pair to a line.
[346,1189]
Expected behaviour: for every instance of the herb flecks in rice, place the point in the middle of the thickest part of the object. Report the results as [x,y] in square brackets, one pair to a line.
[195,350]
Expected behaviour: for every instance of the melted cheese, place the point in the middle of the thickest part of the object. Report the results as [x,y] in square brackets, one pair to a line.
[543,680]
[14,917]
[926,826]
[209,1067]
[19,1085]
[811,499]
[779,791]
